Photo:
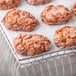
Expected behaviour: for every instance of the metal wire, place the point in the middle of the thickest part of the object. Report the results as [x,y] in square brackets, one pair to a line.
[48,67]
[70,64]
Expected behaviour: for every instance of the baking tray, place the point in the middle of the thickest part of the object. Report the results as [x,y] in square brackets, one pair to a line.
[42,29]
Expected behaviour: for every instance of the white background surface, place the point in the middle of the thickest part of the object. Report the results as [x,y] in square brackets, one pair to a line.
[43,28]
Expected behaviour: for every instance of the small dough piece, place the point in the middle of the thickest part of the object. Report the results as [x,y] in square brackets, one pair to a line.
[74,8]
[8,4]
[18,20]
[65,37]
[32,44]
[38,2]
[55,15]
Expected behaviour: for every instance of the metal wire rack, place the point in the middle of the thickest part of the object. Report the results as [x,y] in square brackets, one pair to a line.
[58,63]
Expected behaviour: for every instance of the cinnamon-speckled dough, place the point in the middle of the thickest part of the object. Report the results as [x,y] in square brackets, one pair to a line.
[65,37]
[74,8]
[32,44]
[18,20]
[8,4]
[38,2]
[54,15]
